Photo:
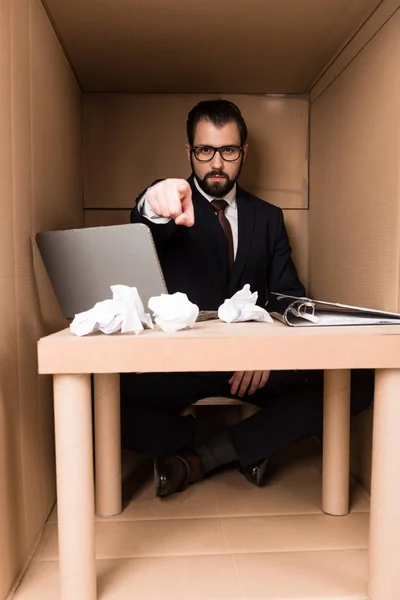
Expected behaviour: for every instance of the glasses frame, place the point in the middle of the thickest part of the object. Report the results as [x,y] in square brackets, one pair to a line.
[220,149]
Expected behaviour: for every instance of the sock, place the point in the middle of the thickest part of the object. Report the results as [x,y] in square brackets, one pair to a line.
[216,452]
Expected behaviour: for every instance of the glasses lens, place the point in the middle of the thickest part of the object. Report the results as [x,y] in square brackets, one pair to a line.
[204,153]
[230,152]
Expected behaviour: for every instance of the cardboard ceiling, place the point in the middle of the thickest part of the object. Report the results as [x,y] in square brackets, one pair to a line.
[207,46]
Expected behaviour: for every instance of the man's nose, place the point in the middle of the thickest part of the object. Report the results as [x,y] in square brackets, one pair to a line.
[217,161]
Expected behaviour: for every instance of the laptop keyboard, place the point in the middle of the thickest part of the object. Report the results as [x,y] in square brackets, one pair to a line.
[207,315]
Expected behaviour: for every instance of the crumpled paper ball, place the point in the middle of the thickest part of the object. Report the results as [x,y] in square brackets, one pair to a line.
[242,307]
[124,312]
[173,312]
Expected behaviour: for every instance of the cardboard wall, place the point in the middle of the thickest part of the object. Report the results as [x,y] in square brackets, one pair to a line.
[131,140]
[354,189]
[40,188]
[128,141]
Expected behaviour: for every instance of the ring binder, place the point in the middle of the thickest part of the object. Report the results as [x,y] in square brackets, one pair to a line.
[303,311]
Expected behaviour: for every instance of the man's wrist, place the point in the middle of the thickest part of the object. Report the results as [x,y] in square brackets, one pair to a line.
[146,211]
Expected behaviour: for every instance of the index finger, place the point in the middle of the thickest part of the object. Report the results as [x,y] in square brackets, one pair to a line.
[187,216]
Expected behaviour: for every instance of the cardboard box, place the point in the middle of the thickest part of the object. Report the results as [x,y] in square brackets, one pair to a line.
[94,98]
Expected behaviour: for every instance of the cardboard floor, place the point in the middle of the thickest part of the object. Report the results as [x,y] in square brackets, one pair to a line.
[223,539]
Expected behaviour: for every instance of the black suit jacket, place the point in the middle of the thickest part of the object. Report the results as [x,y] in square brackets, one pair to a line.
[194,259]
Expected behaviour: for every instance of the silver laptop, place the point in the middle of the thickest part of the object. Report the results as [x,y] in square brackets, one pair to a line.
[82,264]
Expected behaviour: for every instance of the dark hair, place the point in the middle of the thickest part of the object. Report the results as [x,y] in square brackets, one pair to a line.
[219,113]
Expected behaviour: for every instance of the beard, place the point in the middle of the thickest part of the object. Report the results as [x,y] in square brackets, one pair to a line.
[217,189]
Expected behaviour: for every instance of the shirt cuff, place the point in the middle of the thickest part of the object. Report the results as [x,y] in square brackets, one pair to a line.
[146,211]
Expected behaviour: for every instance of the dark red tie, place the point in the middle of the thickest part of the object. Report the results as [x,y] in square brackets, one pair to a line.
[219,207]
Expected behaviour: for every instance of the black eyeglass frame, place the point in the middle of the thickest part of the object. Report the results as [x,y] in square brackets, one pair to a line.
[220,149]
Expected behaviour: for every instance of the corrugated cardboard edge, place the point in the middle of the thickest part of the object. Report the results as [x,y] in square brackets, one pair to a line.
[353,47]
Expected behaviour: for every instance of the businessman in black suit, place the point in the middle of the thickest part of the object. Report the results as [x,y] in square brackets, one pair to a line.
[213,237]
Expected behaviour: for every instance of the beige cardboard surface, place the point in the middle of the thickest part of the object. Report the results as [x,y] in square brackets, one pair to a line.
[383,12]
[270,576]
[204,536]
[354,197]
[132,140]
[13,543]
[252,346]
[212,46]
[104,217]
[34,504]
[278,529]
[41,188]
[354,193]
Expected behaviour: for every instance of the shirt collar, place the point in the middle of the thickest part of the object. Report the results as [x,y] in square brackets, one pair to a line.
[230,197]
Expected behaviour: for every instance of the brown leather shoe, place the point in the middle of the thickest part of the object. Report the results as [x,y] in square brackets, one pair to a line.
[258,473]
[175,473]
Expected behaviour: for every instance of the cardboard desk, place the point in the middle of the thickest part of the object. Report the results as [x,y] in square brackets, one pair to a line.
[216,346]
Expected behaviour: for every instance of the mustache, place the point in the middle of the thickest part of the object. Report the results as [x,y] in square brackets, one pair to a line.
[216,173]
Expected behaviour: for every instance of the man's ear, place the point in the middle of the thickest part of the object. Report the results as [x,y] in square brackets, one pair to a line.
[245,149]
[187,146]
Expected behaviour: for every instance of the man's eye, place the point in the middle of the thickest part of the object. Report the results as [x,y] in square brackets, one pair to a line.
[229,150]
[205,150]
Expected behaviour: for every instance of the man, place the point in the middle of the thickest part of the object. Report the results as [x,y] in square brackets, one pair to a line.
[212,237]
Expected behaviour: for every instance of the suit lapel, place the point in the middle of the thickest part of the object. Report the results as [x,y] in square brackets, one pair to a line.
[246,219]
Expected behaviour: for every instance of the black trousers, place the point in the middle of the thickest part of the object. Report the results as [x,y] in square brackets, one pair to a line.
[292,408]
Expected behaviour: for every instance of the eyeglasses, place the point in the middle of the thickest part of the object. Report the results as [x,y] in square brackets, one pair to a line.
[207,153]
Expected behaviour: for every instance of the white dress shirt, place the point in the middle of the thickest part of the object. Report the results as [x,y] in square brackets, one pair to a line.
[230,212]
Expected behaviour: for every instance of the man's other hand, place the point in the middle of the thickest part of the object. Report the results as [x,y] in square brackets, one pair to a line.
[172,198]
[248,381]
